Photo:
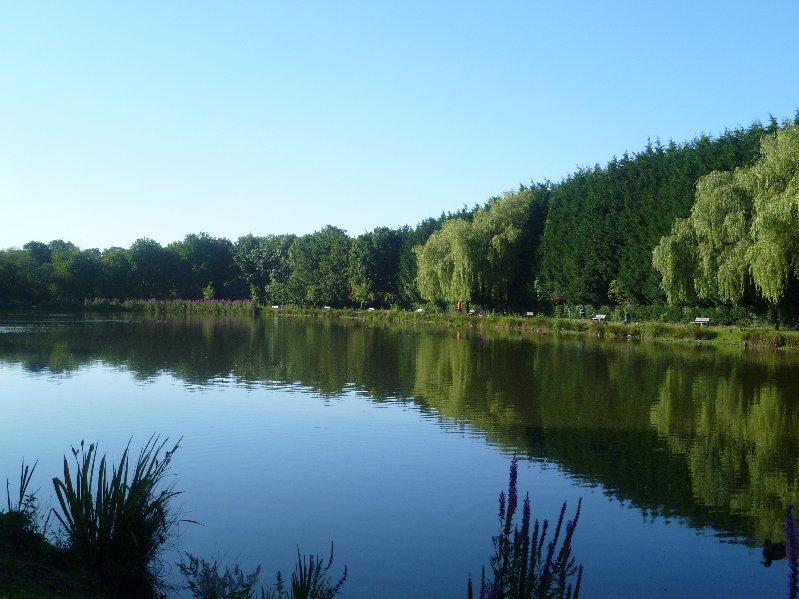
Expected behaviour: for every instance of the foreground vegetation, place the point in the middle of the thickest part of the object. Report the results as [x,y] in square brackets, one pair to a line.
[521,567]
[718,213]
[128,519]
[115,520]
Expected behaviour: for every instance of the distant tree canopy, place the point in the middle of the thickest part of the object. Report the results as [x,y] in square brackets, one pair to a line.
[742,233]
[710,221]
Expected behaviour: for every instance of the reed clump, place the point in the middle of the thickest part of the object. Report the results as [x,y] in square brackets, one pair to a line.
[770,338]
[20,522]
[243,307]
[309,580]
[688,332]
[117,519]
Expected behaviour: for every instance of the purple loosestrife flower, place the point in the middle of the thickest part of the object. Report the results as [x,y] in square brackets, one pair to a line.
[520,569]
[792,551]
[535,550]
[526,516]
[550,551]
[512,495]
[544,528]
[512,499]
[493,592]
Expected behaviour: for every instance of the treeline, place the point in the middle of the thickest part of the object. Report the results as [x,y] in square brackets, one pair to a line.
[326,267]
[588,239]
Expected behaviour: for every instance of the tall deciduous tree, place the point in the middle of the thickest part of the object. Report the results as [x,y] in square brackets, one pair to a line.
[76,273]
[202,260]
[152,269]
[362,269]
[319,264]
[116,274]
[21,278]
[374,266]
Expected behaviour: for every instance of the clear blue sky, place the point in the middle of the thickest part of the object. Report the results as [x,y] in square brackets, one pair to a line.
[159,119]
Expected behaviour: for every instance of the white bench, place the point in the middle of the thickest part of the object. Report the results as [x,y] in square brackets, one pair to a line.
[530,314]
[600,317]
[700,320]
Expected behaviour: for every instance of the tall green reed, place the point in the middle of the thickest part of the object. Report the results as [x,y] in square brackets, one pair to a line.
[116,523]
[26,502]
[20,519]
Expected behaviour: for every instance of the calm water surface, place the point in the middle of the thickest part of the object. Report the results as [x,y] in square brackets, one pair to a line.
[396,443]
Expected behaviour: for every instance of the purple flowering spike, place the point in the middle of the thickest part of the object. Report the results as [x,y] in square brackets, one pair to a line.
[514,472]
[526,516]
[525,564]
[792,552]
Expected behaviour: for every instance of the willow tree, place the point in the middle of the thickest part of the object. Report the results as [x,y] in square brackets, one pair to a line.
[707,254]
[675,258]
[773,183]
[743,229]
[498,233]
[721,218]
[446,264]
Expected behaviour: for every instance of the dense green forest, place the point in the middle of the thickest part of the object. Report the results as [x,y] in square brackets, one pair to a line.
[719,213]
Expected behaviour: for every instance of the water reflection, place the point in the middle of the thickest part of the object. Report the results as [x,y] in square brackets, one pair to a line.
[708,436]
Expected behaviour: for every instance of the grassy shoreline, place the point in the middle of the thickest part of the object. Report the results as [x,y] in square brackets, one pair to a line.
[741,336]
[32,567]
[752,337]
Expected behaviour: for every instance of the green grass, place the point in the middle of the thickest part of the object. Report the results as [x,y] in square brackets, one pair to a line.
[30,566]
[750,337]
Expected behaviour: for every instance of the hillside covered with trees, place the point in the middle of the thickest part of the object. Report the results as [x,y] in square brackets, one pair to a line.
[719,214]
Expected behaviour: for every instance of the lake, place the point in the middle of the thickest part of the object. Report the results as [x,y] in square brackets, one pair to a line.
[394,443]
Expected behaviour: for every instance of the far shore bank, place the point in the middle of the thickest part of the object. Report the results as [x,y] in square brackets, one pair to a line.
[743,337]
[754,336]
